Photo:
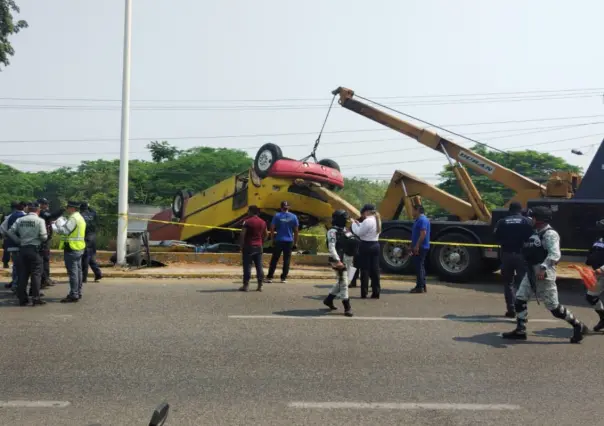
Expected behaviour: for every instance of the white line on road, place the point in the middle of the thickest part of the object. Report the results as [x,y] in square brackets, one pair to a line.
[402,406]
[34,404]
[338,317]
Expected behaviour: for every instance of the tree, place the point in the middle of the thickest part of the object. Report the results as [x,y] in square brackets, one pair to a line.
[161,151]
[532,164]
[8,27]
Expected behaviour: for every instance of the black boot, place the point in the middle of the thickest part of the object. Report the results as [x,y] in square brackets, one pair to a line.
[519,333]
[579,332]
[347,308]
[328,301]
[38,302]
[259,288]
[245,287]
[600,325]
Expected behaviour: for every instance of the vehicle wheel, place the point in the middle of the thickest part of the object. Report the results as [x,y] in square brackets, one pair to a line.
[329,163]
[267,155]
[178,205]
[396,256]
[455,263]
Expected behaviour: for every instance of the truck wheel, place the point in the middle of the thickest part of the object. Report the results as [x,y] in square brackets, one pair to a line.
[455,263]
[330,163]
[267,155]
[178,203]
[396,256]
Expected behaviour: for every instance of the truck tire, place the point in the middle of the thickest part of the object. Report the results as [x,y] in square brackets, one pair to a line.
[396,257]
[178,203]
[267,155]
[455,263]
[329,163]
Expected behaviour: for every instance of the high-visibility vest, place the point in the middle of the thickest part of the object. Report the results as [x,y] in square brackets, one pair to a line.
[76,238]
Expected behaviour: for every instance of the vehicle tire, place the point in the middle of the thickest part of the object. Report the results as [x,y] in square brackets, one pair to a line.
[267,155]
[396,257]
[455,263]
[329,163]
[178,203]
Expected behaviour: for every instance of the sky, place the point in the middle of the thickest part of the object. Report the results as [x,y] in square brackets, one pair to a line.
[237,74]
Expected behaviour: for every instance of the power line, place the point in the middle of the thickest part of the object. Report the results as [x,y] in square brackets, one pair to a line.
[314,133]
[449,95]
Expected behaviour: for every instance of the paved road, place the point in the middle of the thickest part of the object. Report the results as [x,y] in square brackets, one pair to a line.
[222,357]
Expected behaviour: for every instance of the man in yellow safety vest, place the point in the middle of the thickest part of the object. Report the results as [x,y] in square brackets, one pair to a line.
[72,230]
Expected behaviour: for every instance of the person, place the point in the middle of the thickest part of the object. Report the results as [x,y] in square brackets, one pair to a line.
[420,245]
[284,235]
[368,231]
[89,257]
[355,264]
[29,232]
[595,259]
[253,235]
[342,246]
[72,230]
[49,218]
[510,233]
[5,252]
[542,254]
[11,246]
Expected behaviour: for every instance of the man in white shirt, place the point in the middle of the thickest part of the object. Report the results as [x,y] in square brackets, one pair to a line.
[368,232]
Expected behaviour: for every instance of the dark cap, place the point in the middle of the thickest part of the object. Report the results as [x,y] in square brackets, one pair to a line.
[42,201]
[541,213]
[73,204]
[515,207]
[14,204]
[284,205]
[33,205]
[84,206]
[368,208]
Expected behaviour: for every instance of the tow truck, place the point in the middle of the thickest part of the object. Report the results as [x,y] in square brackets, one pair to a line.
[577,203]
[214,214]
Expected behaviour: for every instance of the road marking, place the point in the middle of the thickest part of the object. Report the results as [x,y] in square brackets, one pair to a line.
[338,317]
[402,406]
[34,404]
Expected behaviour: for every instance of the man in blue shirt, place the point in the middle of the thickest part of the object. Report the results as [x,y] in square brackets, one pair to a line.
[285,224]
[420,244]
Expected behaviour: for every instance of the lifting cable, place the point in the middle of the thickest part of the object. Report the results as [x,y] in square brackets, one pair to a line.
[429,124]
[313,154]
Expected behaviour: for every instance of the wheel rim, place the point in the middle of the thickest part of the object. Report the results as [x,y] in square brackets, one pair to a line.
[454,259]
[177,205]
[394,254]
[265,160]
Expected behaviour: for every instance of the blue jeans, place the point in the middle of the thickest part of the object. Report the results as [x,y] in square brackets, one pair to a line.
[73,263]
[419,262]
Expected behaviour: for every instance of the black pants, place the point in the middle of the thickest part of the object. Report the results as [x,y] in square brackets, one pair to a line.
[30,266]
[5,254]
[252,255]
[513,270]
[369,263]
[284,247]
[45,263]
[89,259]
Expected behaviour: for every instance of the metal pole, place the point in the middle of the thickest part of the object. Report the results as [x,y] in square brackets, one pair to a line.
[122,222]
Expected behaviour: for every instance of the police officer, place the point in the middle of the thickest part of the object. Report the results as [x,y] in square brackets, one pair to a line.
[595,259]
[11,246]
[89,257]
[30,233]
[542,254]
[511,232]
[49,218]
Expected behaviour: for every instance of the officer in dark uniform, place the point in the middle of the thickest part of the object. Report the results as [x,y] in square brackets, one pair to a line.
[89,258]
[511,232]
[49,218]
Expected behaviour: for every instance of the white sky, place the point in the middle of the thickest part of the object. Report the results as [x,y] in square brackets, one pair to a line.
[191,58]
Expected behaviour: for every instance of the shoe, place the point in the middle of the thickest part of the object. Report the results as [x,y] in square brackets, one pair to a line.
[347,308]
[579,333]
[6,266]
[245,287]
[38,302]
[375,295]
[268,280]
[599,326]
[510,314]
[283,280]
[417,290]
[352,285]
[70,299]
[328,301]
[23,302]
[7,286]
[514,335]
[97,279]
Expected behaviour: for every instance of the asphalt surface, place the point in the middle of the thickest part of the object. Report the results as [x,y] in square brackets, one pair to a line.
[223,357]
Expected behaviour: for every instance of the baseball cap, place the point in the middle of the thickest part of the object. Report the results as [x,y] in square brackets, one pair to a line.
[368,208]
[42,201]
[33,205]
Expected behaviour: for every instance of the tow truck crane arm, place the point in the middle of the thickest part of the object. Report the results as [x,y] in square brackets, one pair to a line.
[524,187]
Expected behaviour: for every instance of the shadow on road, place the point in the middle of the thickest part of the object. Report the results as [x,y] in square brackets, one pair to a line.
[303,312]
[357,288]
[495,340]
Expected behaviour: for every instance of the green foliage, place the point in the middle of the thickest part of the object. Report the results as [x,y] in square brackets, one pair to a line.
[8,27]
[532,164]
[161,151]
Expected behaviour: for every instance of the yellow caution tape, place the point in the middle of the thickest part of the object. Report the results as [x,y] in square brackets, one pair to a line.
[386,240]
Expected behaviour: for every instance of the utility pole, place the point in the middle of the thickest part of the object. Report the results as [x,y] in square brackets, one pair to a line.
[122,221]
